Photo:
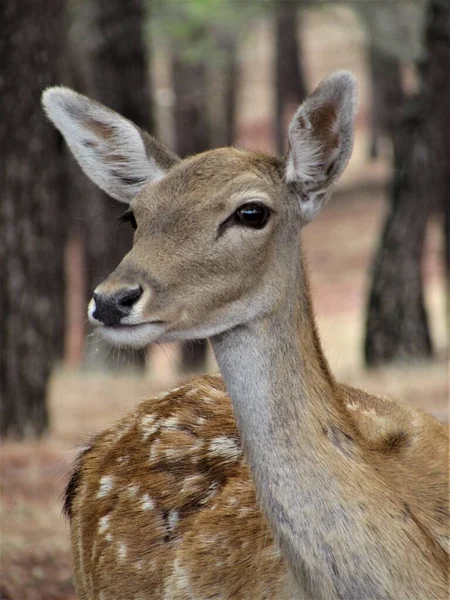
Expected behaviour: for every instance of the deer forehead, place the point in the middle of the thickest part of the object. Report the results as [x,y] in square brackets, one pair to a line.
[213,181]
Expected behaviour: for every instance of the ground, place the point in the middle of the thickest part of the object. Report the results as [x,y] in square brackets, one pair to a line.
[35,559]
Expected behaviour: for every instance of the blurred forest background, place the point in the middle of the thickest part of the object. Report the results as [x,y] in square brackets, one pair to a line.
[200,74]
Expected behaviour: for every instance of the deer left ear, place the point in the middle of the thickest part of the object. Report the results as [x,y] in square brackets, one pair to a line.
[321,141]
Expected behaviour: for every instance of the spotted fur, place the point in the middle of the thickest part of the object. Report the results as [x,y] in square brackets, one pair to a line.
[177,516]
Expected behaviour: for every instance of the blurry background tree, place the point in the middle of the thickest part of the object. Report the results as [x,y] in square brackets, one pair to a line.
[394,39]
[33,215]
[290,83]
[397,324]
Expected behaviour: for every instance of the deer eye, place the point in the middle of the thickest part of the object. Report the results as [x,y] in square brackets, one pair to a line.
[253,214]
[128,217]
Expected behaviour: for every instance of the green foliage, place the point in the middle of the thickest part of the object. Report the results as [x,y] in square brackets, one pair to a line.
[200,29]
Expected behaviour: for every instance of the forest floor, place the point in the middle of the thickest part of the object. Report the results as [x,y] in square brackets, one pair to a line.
[35,561]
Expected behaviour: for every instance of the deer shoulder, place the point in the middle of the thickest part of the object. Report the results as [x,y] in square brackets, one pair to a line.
[163,500]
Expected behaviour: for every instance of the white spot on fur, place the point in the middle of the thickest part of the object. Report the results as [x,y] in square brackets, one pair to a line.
[147,503]
[149,425]
[192,481]
[106,483]
[170,423]
[225,447]
[122,430]
[103,524]
[108,537]
[192,392]
[353,406]
[121,550]
[172,519]
[173,453]
[123,460]
[155,450]
[178,582]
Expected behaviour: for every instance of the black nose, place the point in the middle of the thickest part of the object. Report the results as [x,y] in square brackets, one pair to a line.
[110,309]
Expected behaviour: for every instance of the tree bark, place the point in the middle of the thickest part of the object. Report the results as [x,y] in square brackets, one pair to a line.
[121,81]
[231,77]
[33,220]
[387,95]
[397,325]
[223,80]
[189,81]
[290,84]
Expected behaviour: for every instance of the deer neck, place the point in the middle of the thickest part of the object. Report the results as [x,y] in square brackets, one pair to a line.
[284,399]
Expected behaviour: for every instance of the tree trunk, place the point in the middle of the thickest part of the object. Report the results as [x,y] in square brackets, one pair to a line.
[290,84]
[387,95]
[397,325]
[192,135]
[32,222]
[231,77]
[121,80]
[189,82]
[223,80]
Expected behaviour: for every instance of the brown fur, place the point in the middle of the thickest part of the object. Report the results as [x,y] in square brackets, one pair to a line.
[221,546]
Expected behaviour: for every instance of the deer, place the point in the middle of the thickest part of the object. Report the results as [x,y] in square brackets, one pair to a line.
[272,481]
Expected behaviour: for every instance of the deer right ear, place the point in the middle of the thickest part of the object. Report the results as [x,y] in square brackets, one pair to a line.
[118,156]
[321,141]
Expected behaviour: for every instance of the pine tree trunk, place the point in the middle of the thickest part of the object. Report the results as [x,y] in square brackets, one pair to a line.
[192,135]
[387,95]
[290,84]
[397,325]
[189,82]
[231,77]
[223,80]
[121,80]
[32,222]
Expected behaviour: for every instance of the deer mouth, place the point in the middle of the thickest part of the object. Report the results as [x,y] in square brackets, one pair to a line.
[133,335]
[131,326]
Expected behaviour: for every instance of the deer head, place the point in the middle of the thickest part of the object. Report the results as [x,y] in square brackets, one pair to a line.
[217,233]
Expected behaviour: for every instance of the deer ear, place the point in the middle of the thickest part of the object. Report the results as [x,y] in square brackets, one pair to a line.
[118,156]
[321,141]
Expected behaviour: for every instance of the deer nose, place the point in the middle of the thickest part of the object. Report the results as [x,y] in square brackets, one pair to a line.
[110,309]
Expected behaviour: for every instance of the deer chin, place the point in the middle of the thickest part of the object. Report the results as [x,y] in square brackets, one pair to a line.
[133,336]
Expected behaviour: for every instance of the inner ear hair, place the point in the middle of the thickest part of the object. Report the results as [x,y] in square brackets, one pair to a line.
[321,140]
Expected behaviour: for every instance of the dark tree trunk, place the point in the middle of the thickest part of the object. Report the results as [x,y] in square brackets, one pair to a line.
[387,95]
[32,222]
[121,80]
[190,87]
[192,135]
[231,77]
[224,85]
[290,84]
[397,325]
